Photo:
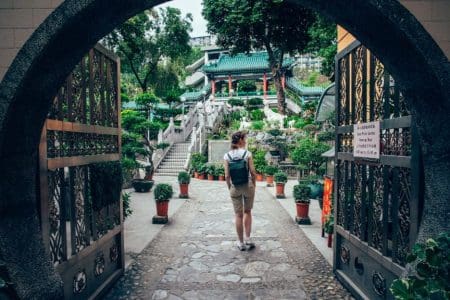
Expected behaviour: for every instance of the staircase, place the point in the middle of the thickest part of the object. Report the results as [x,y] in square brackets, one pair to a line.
[174,161]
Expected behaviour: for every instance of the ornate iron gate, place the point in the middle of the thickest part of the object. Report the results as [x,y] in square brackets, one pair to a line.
[377,200]
[80,178]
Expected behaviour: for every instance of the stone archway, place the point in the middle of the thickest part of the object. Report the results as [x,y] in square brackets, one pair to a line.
[384,26]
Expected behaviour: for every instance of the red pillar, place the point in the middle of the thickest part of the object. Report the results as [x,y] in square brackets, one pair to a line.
[230,85]
[283,81]
[265,86]
[213,88]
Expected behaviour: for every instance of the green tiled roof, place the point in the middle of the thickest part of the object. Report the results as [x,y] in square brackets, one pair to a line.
[302,90]
[241,63]
[133,105]
[197,95]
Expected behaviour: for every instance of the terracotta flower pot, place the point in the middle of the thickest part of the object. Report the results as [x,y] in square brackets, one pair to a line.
[330,240]
[221,178]
[303,213]
[210,177]
[162,207]
[196,175]
[184,190]
[259,177]
[280,190]
[201,176]
[269,180]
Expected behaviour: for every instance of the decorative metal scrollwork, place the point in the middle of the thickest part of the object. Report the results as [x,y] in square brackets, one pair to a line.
[79,282]
[379,283]
[99,266]
[345,255]
[114,253]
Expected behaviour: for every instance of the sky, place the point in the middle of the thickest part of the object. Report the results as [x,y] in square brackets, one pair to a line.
[193,7]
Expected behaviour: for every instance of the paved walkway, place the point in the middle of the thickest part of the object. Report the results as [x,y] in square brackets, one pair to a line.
[194,257]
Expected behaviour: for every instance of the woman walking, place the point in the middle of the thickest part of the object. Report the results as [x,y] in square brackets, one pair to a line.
[240,176]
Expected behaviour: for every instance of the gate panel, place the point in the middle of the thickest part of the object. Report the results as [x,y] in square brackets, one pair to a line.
[377,200]
[80,178]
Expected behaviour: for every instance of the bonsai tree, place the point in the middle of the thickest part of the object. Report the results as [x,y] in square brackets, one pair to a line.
[270,170]
[184,179]
[280,177]
[163,192]
[308,153]
[302,193]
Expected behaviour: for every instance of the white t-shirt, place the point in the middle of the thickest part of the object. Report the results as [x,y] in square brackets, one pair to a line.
[237,154]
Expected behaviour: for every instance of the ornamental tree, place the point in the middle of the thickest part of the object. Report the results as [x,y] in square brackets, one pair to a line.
[278,26]
[146,39]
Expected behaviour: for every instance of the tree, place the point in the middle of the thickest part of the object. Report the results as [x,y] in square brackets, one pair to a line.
[145,40]
[324,43]
[278,26]
[308,153]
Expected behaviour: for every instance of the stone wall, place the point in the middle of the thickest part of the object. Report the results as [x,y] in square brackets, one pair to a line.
[216,150]
[19,18]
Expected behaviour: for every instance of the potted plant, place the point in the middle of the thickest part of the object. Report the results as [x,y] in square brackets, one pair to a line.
[184,179]
[163,192]
[149,170]
[220,172]
[260,163]
[280,180]
[142,185]
[269,171]
[316,187]
[211,171]
[302,194]
[329,229]
[202,169]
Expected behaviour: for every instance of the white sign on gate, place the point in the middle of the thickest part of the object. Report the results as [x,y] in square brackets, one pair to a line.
[366,140]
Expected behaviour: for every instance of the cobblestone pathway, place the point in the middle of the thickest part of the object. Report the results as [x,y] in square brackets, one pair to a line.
[194,257]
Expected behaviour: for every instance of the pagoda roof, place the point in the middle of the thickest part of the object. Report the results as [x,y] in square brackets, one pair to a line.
[254,62]
[197,95]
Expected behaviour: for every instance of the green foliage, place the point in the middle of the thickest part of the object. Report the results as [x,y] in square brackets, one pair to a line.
[275,110]
[323,43]
[220,170]
[126,199]
[329,224]
[247,86]
[162,145]
[108,184]
[164,114]
[235,116]
[431,263]
[243,25]
[257,115]
[236,102]
[275,132]
[302,193]
[308,153]
[235,125]
[270,170]
[257,125]
[163,192]
[326,136]
[184,178]
[146,39]
[146,100]
[259,161]
[210,169]
[253,102]
[280,177]
[197,160]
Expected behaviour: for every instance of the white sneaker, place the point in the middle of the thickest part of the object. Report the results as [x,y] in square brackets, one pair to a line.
[241,246]
[250,245]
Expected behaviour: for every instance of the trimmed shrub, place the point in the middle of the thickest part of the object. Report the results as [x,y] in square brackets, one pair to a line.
[257,125]
[184,178]
[163,192]
[302,193]
[280,177]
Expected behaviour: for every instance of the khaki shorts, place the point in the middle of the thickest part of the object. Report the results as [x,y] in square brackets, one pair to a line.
[242,196]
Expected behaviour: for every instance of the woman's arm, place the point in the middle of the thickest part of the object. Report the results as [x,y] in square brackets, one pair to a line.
[227,174]
[252,169]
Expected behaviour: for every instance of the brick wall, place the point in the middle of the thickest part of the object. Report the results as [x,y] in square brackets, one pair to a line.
[18,19]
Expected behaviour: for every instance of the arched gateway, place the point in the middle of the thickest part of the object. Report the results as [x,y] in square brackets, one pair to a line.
[40,68]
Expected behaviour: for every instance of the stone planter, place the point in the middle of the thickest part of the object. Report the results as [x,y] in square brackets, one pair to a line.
[302,213]
[142,185]
[280,190]
[184,190]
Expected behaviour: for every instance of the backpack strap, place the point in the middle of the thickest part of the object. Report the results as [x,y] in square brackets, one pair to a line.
[245,153]
[229,156]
